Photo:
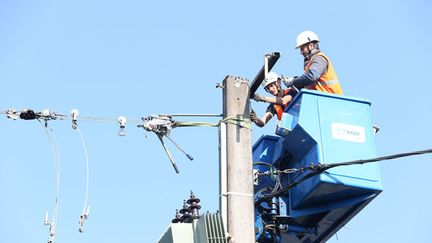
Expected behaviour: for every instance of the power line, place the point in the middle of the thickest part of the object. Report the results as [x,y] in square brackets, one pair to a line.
[29,114]
[86,208]
[317,169]
[56,155]
[161,125]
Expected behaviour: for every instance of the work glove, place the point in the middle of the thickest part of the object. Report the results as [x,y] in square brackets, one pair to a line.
[288,81]
[258,97]
[253,116]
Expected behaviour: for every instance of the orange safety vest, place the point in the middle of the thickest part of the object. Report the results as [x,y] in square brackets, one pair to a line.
[280,108]
[328,82]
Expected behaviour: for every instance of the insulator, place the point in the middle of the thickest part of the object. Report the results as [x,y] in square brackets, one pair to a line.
[194,207]
[185,209]
[186,218]
[193,199]
[177,218]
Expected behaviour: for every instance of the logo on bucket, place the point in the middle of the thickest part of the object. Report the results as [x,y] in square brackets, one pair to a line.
[348,132]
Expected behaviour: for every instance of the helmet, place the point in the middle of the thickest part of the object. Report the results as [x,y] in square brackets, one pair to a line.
[306,37]
[271,78]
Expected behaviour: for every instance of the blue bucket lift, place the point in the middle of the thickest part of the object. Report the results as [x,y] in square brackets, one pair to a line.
[316,128]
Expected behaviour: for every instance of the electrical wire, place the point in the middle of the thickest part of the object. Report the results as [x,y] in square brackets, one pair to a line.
[106,120]
[61,116]
[56,154]
[262,163]
[192,115]
[320,168]
[85,211]
[388,157]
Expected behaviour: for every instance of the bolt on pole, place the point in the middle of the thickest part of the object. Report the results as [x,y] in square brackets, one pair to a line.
[236,179]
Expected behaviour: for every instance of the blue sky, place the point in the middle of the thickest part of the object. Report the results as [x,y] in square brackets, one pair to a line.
[137,58]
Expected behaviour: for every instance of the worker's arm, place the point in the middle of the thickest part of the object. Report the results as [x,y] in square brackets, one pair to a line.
[274,100]
[280,101]
[317,68]
[270,112]
[261,121]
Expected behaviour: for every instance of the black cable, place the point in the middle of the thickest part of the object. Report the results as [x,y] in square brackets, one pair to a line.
[388,157]
[288,187]
[320,168]
[262,163]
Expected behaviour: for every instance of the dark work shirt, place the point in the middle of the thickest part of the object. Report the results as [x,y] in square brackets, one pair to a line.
[271,108]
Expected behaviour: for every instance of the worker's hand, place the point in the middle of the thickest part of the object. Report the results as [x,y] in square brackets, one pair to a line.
[288,81]
[253,116]
[258,97]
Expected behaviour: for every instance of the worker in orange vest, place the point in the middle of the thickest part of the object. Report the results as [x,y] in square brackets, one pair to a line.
[278,103]
[319,73]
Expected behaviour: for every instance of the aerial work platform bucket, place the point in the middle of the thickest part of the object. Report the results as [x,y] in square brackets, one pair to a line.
[320,128]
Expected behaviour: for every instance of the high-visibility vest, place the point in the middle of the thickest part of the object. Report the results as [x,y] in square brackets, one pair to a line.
[280,108]
[328,81]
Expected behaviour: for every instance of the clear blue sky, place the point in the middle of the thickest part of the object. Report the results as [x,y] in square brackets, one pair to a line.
[137,58]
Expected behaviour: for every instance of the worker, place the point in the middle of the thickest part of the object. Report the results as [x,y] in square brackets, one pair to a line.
[319,73]
[278,103]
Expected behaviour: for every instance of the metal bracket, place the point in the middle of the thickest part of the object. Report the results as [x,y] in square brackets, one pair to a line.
[271,60]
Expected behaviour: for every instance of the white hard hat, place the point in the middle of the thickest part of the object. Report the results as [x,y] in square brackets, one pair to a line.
[271,78]
[306,37]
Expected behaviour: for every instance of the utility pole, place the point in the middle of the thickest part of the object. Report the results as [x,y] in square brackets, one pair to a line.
[236,180]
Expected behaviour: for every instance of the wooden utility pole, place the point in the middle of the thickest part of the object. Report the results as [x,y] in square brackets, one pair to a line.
[236,179]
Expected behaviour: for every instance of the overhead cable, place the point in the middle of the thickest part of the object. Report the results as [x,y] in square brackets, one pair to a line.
[86,208]
[29,114]
[161,125]
[56,155]
[14,114]
[317,169]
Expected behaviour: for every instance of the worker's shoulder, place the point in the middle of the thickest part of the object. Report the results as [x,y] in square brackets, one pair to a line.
[320,58]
